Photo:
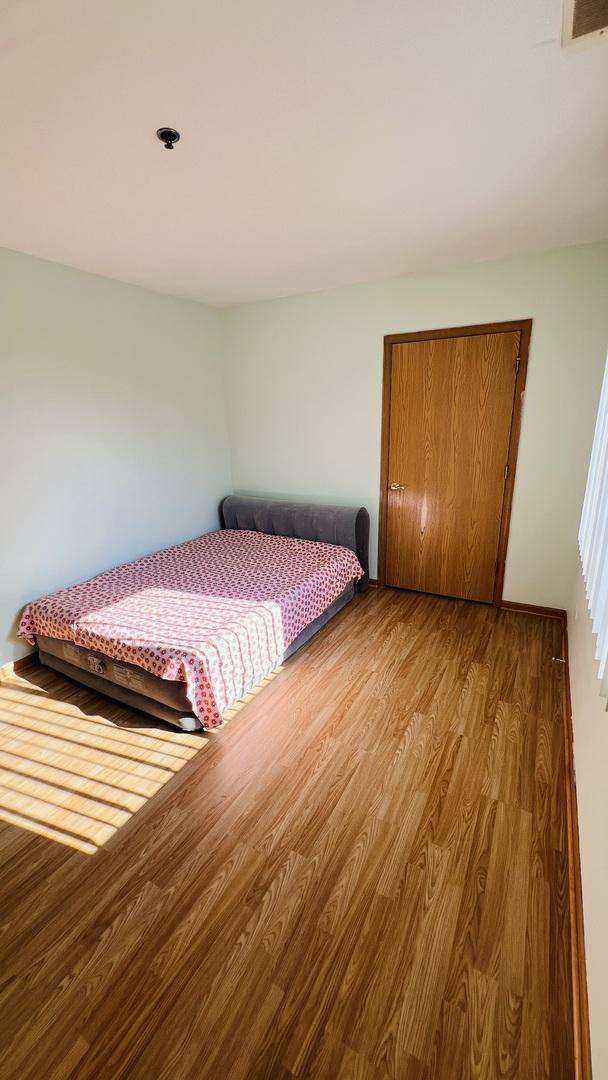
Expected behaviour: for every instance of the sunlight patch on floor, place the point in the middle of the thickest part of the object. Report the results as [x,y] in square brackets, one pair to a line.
[78,778]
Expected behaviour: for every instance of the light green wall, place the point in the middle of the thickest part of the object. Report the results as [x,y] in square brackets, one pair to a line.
[304,386]
[113,437]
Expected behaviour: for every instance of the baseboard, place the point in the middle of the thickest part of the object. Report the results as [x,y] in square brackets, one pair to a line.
[18,667]
[533,609]
[507,605]
[580,1001]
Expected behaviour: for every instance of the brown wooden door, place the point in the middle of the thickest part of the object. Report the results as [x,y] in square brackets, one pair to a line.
[450,417]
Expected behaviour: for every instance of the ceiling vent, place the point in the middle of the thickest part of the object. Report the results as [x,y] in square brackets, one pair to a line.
[584,18]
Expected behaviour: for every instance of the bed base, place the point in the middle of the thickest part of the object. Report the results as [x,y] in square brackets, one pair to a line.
[103,680]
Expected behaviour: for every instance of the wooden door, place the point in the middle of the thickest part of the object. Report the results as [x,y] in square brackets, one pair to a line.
[450,425]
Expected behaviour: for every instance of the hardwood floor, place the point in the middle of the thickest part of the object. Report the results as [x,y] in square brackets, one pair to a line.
[362,875]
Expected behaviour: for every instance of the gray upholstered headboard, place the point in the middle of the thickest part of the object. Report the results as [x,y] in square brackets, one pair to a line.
[345,525]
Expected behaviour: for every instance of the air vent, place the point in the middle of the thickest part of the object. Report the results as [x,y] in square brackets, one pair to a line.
[583,18]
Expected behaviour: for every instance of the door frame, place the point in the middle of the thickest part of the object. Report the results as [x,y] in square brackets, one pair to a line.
[524,327]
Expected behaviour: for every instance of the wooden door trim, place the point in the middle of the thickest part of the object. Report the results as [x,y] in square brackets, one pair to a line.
[534,609]
[524,328]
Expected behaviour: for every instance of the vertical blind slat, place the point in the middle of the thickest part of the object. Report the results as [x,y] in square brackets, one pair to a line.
[593,534]
[596,471]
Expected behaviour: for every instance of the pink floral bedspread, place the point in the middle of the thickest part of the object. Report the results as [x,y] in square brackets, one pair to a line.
[217,612]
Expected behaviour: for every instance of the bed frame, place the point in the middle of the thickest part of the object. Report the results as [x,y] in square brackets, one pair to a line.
[166,699]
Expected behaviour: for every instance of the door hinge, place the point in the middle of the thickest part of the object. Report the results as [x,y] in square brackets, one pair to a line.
[506,471]
[517,366]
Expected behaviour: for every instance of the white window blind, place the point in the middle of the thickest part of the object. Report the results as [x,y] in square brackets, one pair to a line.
[593,534]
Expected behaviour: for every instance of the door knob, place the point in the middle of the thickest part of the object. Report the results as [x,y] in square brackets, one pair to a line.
[397,487]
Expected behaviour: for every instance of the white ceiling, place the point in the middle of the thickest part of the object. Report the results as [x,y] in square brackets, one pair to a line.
[324,142]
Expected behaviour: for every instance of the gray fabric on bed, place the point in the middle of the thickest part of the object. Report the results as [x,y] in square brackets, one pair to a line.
[344,525]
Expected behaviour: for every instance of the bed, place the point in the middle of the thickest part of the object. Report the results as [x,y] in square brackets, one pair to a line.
[185,632]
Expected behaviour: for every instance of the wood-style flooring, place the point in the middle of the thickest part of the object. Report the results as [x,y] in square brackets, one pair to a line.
[362,875]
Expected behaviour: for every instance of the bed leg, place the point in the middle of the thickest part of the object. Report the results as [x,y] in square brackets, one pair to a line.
[189,723]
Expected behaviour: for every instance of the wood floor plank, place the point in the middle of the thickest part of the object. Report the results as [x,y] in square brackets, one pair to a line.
[362,876]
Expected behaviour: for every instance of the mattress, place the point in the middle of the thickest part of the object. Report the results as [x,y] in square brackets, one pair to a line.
[216,613]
